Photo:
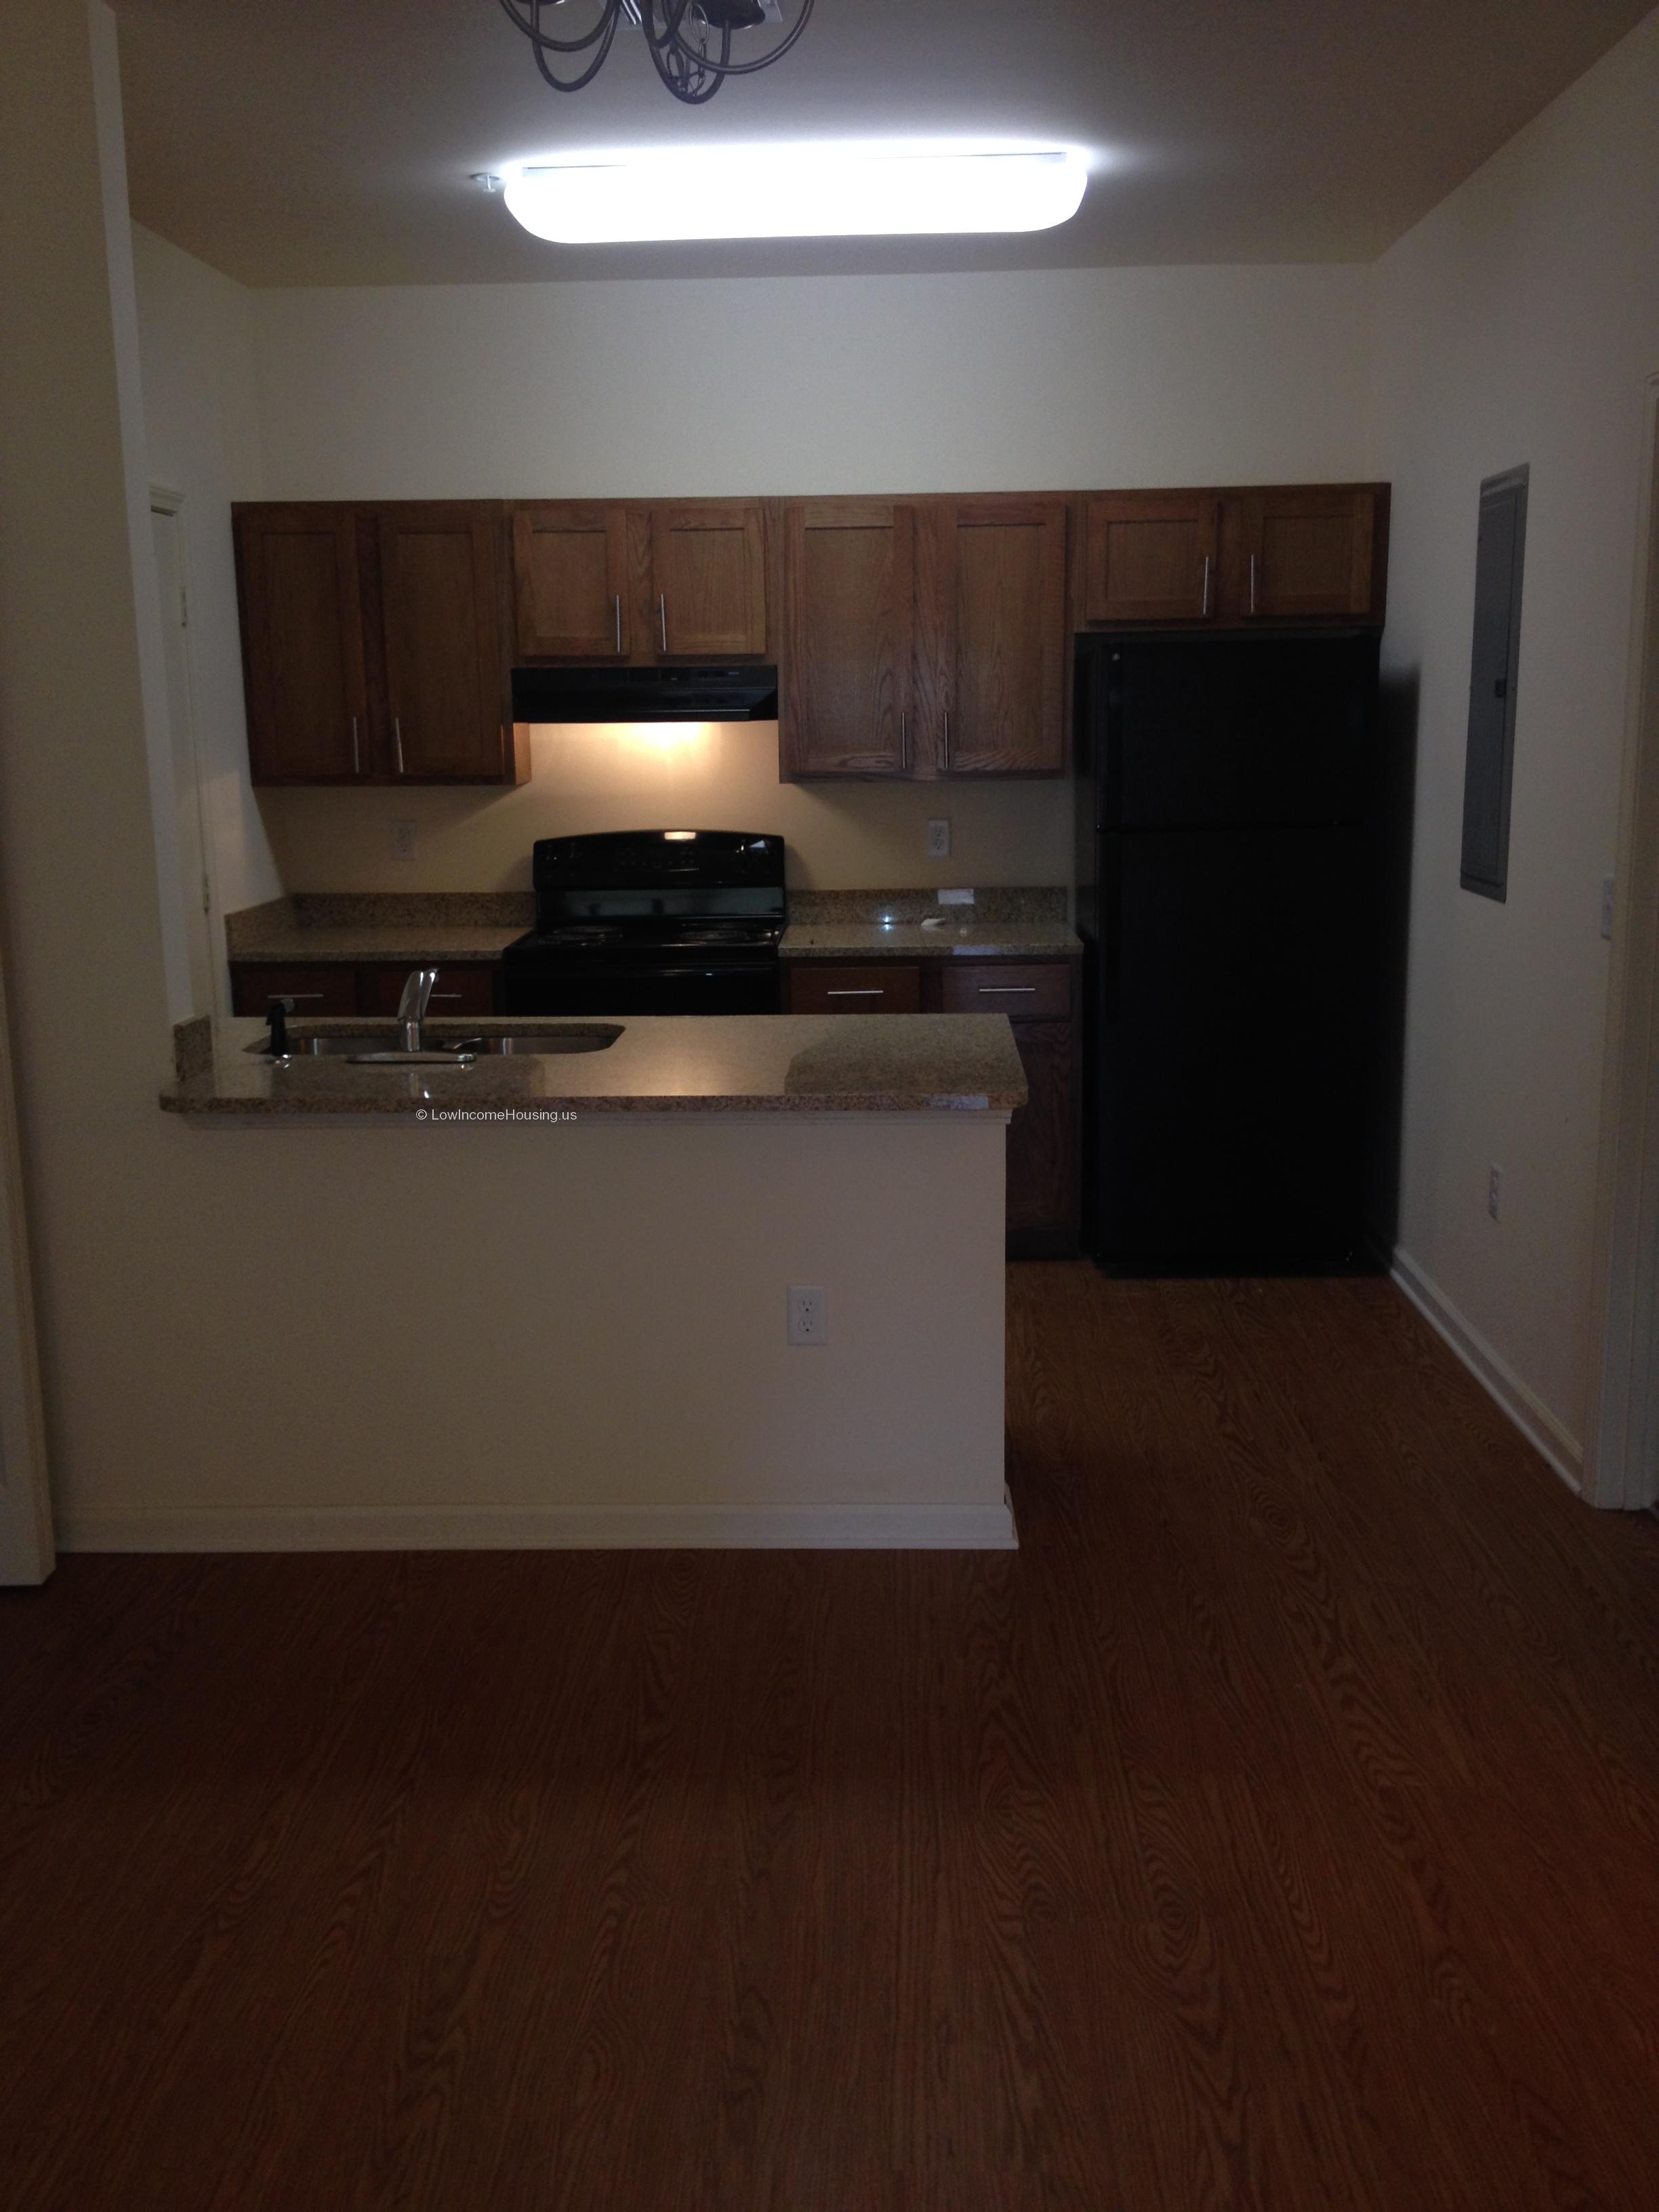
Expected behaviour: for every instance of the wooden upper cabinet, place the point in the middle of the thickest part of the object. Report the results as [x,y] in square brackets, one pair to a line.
[849,591]
[1152,557]
[1304,553]
[708,580]
[445,673]
[570,576]
[303,644]
[1001,637]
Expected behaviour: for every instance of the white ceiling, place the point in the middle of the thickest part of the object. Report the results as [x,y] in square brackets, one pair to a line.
[328,142]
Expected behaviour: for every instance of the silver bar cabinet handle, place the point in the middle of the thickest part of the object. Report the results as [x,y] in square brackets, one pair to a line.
[615,601]
[1204,608]
[869,991]
[662,617]
[947,736]
[1007,990]
[904,738]
[1252,583]
[356,754]
[398,739]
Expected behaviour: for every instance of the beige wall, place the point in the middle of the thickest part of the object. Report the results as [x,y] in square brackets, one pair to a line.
[202,435]
[1517,324]
[1052,380]
[352,1335]
[707,776]
[1047,378]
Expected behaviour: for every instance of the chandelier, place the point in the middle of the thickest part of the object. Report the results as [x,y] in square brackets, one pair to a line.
[690,40]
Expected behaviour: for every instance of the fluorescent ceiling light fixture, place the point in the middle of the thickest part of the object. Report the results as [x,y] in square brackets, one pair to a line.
[798,191]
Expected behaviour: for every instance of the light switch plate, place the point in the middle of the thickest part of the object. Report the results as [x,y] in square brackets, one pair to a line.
[938,842]
[403,840]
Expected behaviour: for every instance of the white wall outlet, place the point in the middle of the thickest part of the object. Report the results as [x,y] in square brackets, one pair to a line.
[938,843]
[403,840]
[809,1315]
[1607,906]
[1494,1190]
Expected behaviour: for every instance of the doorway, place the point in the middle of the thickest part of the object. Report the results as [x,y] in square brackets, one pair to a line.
[189,796]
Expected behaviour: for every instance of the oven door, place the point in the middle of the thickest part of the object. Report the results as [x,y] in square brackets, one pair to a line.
[577,988]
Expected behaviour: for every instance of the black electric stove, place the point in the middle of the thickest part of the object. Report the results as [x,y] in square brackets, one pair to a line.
[651,921]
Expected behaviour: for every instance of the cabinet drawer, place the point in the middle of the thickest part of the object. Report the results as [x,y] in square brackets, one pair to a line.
[462,989]
[1025,992]
[883,987]
[327,989]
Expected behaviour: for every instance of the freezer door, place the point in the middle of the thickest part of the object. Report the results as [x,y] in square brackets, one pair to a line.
[1235,732]
[1229,999]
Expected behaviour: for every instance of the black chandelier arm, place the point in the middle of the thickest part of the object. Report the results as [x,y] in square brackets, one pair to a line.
[671,38]
[693,77]
[530,24]
[690,74]
[575,83]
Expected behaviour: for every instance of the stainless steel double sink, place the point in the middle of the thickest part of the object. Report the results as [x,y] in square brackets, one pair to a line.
[375,1048]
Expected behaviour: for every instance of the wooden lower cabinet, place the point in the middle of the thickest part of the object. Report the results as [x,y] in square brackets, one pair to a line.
[459,990]
[1040,999]
[348,986]
[879,987]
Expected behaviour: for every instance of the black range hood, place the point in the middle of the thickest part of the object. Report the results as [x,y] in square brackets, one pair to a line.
[645,695]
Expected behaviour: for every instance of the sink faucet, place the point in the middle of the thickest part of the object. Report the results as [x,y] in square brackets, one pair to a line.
[412,1007]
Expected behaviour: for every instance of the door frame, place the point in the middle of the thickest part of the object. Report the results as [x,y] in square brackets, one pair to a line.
[27,1555]
[166,499]
[1621,1455]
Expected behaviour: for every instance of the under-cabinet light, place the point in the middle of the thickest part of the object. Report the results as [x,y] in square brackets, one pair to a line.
[797,191]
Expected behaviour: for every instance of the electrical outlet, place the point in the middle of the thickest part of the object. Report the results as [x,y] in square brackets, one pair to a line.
[1494,1191]
[403,840]
[939,840]
[1607,906]
[809,1315]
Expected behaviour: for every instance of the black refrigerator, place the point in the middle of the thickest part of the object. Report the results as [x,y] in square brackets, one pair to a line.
[1222,900]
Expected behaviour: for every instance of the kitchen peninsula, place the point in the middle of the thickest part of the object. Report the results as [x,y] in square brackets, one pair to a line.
[561,1320]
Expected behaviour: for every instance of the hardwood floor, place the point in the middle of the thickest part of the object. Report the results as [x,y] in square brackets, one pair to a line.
[1277,1828]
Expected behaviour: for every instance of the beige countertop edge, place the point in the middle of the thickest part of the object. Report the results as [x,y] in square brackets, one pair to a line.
[909,941]
[197,1098]
[303,948]
[838,1064]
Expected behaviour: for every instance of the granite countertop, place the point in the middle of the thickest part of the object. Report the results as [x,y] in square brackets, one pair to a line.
[413,926]
[1011,923]
[455,942]
[711,1063]
[911,941]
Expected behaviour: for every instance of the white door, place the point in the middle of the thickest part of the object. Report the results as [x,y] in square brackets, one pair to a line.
[26,1554]
[188,802]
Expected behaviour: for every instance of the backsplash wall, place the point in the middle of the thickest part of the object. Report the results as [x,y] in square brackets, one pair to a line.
[721,775]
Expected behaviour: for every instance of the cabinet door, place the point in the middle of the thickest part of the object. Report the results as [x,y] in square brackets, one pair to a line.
[1304,554]
[303,644]
[462,988]
[445,673]
[1001,614]
[1042,1191]
[849,591]
[328,987]
[1150,557]
[570,579]
[880,986]
[709,579]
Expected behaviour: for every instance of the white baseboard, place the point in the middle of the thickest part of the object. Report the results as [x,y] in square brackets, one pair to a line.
[1546,1436]
[537,1528]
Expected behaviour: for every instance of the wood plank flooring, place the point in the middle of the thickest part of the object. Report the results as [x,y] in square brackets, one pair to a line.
[1278,1828]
